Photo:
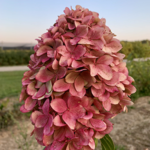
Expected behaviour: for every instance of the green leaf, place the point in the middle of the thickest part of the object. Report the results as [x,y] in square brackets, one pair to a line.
[107,143]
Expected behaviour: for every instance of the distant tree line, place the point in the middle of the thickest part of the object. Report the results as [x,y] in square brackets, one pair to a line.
[136,49]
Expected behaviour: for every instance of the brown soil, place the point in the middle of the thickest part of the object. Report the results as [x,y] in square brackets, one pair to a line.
[131,130]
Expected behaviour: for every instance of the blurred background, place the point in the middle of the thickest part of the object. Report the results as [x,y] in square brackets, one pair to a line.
[23,21]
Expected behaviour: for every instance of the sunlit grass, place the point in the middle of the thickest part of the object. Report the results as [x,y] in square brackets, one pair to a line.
[10,83]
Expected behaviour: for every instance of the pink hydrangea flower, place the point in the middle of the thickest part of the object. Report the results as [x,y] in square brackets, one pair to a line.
[76,83]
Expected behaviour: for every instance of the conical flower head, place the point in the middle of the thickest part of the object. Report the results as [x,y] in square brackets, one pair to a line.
[76,83]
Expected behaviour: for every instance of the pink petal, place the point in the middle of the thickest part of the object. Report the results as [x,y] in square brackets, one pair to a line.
[114,81]
[126,102]
[63,61]
[23,110]
[44,75]
[107,104]
[57,145]
[61,21]
[105,59]
[78,52]
[92,143]
[77,64]
[55,64]
[47,129]
[78,112]
[38,133]
[81,30]
[31,89]
[96,123]
[113,47]
[114,100]
[130,89]
[69,119]
[122,77]
[97,92]
[104,71]
[41,121]
[75,40]
[104,97]
[67,11]
[68,35]
[98,85]
[97,32]
[59,105]
[73,91]
[45,107]
[88,116]
[86,19]
[61,72]
[85,42]
[30,103]
[43,49]
[79,84]
[70,78]
[93,70]
[73,101]
[41,91]
[69,47]
[61,86]
[35,115]
[71,26]
[48,41]
[50,54]
[58,122]
[47,140]
[62,50]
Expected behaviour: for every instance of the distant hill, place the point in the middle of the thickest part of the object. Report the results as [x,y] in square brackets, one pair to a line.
[5,45]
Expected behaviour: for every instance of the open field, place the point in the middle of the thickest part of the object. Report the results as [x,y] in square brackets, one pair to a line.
[10,83]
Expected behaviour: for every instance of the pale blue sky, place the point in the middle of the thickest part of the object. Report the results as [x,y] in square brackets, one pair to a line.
[25,20]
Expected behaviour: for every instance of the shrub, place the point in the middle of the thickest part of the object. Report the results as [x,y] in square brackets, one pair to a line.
[140,71]
[14,57]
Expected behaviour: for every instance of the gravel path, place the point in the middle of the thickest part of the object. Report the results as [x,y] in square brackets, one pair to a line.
[13,68]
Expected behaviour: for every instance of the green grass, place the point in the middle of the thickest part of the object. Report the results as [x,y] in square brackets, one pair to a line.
[10,83]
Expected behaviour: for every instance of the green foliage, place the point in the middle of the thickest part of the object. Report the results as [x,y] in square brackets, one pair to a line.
[10,83]
[137,49]
[117,147]
[15,57]
[107,143]
[140,71]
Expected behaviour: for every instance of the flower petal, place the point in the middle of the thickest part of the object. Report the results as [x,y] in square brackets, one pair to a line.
[78,52]
[79,83]
[70,78]
[43,49]
[105,59]
[61,86]
[30,103]
[44,75]
[41,91]
[69,119]
[96,123]
[45,107]
[81,30]
[58,122]
[104,71]
[31,89]
[41,121]
[59,105]
[107,104]
[47,129]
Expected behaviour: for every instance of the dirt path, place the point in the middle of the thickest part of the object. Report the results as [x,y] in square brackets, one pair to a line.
[131,130]
[13,68]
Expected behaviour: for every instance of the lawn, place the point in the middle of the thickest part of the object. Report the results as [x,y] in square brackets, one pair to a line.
[10,83]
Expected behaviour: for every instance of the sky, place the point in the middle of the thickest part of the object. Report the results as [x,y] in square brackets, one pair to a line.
[23,21]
